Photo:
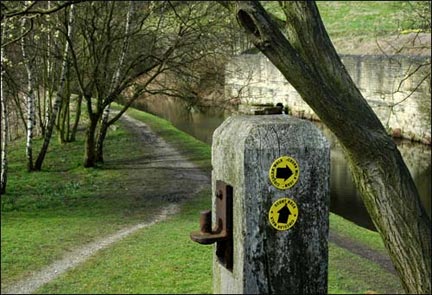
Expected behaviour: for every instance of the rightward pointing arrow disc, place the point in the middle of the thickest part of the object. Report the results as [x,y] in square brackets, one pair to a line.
[284,173]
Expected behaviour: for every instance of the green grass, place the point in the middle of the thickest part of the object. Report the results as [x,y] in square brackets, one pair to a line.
[353,18]
[48,214]
[160,259]
[150,259]
[359,234]
[363,18]
[351,274]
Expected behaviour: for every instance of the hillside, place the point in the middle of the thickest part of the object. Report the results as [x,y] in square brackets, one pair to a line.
[378,27]
[374,27]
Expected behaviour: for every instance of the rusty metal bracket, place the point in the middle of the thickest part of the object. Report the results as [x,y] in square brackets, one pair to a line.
[222,231]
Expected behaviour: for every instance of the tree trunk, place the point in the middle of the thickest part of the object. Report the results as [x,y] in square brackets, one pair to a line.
[114,83]
[4,130]
[310,63]
[41,123]
[77,119]
[4,140]
[100,140]
[48,69]
[90,144]
[29,101]
[62,118]
[57,102]
[63,122]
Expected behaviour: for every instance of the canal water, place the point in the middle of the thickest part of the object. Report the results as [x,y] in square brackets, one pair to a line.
[345,200]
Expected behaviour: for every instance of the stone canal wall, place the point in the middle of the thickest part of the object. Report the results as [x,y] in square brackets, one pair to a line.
[400,98]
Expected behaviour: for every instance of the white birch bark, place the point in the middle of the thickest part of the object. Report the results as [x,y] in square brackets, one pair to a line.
[114,82]
[4,125]
[49,70]
[58,99]
[4,137]
[116,76]
[30,101]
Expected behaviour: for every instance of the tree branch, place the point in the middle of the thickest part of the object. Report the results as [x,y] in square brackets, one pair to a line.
[27,11]
[3,45]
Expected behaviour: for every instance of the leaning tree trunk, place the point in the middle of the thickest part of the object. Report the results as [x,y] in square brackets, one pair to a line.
[310,63]
[29,101]
[57,102]
[114,83]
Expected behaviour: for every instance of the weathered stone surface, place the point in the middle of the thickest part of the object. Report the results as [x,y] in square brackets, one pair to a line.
[400,98]
[267,260]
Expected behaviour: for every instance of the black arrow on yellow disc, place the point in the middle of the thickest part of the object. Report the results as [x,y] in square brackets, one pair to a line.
[284,214]
[284,173]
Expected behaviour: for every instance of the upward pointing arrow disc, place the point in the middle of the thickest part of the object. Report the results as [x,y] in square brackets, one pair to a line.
[284,214]
[284,173]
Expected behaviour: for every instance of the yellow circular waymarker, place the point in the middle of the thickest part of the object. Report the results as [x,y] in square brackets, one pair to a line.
[283,213]
[284,172]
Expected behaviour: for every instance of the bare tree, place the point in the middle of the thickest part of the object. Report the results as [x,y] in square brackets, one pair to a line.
[30,100]
[196,76]
[114,81]
[60,92]
[417,28]
[95,68]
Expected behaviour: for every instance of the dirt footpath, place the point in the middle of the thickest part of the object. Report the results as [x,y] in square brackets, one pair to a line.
[161,173]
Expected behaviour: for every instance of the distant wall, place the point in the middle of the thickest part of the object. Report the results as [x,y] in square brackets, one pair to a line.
[405,111]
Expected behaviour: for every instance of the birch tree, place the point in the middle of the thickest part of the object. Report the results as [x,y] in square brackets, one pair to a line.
[308,60]
[30,99]
[114,82]
[4,135]
[4,121]
[49,64]
[58,99]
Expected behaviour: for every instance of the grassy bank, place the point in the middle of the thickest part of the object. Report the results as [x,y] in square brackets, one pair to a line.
[46,215]
[363,18]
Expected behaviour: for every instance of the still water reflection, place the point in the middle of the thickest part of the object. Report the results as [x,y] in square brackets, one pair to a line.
[345,200]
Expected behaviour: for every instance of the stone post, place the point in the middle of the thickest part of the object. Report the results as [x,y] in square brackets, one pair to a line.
[278,167]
